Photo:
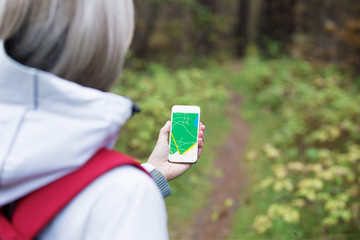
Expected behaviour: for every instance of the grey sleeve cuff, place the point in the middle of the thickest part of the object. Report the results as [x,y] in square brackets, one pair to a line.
[161,182]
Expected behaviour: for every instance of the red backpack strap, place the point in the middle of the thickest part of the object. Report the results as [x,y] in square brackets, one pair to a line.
[36,210]
[7,230]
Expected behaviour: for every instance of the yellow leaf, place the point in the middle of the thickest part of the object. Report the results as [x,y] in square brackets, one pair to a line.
[296,166]
[271,151]
[279,171]
[298,203]
[251,156]
[214,216]
[229,202]
[264,183]
[262,223]
[291,215]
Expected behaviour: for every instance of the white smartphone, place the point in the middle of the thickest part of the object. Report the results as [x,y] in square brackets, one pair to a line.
[183,139]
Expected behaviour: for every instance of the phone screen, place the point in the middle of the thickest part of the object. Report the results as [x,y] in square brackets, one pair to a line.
[184,134]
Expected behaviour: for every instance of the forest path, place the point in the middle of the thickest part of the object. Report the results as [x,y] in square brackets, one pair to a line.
[215,220]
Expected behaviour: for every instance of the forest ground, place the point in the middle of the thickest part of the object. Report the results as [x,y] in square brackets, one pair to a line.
[229,180]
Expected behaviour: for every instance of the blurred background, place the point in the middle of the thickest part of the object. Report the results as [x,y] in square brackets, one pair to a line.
[278,84]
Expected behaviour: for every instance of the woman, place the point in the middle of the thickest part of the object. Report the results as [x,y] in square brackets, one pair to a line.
[57,60]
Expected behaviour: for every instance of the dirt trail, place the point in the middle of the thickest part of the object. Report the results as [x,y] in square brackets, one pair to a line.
[214,221]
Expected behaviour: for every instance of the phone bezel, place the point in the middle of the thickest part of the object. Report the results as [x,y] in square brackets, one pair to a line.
[182,158]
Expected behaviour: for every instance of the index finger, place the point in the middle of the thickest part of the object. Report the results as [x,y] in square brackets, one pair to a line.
[201,127]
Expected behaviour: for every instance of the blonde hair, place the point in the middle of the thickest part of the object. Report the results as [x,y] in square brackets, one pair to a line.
[84,41]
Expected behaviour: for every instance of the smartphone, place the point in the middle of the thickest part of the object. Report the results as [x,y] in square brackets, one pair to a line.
[183,139]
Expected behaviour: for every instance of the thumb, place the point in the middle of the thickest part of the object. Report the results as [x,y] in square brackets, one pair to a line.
[164,133]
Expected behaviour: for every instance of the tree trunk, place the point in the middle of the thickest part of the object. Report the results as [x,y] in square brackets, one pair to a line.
[206,44]
[253,21]
[241,27]
[277,23]
[145,26]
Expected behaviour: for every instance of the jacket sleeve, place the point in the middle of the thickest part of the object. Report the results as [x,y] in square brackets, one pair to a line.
[159,179]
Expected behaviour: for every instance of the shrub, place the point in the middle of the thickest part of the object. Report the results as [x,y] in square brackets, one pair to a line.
[314,151]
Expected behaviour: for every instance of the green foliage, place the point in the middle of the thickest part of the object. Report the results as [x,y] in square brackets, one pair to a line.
[308,171]
[156,89]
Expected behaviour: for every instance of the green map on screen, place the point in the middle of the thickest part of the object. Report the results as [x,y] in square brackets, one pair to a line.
[184,132]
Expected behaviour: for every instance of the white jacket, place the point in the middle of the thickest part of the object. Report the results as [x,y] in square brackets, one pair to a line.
[50,127]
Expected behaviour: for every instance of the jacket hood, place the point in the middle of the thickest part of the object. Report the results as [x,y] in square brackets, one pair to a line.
[50,126]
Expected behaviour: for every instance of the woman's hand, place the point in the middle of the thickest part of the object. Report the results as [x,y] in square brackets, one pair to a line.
[159,157]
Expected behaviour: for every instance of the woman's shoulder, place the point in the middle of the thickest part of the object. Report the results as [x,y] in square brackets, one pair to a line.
[126,180]
[105,208]
[124,184]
